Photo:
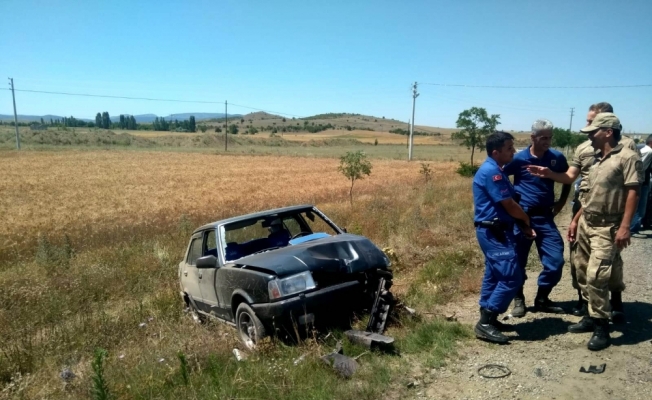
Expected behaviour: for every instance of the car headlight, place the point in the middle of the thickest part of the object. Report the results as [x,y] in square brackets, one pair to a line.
[292,284]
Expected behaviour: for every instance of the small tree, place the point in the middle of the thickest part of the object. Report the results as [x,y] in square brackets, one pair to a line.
[475,125]
[233,129]
[354,166]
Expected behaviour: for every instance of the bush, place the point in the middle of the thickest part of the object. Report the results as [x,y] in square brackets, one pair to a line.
[466,169]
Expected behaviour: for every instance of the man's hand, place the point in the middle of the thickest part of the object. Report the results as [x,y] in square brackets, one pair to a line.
[572,232]
[539,171]
[529,232]
[558,207]
[623,237]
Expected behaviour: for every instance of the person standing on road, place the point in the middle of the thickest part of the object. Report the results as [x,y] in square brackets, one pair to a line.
[537,198]
[646,161]
[604,222]
[495,215]
[580,165]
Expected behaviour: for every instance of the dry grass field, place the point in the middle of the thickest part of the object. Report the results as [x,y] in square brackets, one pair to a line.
[90,245]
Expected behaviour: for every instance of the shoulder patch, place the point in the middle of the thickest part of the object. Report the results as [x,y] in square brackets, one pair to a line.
[553,162]
[497,177]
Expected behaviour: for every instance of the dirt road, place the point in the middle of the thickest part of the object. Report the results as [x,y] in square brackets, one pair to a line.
[545,360]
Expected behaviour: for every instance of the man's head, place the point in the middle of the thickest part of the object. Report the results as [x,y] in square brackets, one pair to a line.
[275,226]
[648,141]
[596,109]
[605,128]
[541,134]
[500,147]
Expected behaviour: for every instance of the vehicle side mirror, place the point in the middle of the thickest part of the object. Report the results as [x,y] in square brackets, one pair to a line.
[207,262]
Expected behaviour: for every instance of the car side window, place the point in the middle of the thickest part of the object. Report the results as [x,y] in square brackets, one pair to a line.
[210,244]
[292,225]
[195,251]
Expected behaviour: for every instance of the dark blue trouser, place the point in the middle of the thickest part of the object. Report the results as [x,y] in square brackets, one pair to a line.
[502,275]
[550,246]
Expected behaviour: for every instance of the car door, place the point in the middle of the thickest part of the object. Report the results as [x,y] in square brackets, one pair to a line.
[208,276]
[190,273]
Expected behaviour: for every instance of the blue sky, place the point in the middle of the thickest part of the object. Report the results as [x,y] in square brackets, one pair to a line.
[306,57]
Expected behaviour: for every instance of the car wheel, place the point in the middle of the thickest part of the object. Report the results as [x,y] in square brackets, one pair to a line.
[250,329]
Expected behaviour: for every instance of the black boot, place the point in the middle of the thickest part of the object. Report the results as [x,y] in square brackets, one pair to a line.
[585,325]
[600,339]
[486,330]
[543,304]
[500,326]
[617,311]
[581,308]
[519,304]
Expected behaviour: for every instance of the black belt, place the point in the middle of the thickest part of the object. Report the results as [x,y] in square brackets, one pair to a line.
[539,211]
[496,223]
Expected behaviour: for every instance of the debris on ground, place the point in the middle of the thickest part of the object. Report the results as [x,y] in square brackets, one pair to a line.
[343,365]
[67,375]
[239,355]
[593,369]
[299,360]
[369,339]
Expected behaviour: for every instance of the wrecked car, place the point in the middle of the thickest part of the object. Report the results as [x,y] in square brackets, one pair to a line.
[260,271]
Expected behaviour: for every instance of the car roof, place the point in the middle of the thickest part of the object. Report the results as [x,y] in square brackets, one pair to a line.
[260,214]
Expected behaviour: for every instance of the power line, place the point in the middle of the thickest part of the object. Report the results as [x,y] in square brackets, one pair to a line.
[150,99]
[536,87]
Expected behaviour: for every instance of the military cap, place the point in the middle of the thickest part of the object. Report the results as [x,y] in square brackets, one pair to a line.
[602,120]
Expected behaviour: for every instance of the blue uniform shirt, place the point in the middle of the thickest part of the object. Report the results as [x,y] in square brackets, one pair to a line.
[534,191]
[490,187]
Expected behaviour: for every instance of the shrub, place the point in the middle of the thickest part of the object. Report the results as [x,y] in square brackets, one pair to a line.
[466,169]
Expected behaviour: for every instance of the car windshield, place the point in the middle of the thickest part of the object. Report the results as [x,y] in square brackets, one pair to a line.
[266,233]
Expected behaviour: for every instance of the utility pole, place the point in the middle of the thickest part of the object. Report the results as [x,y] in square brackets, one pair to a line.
[570,128]
[13,96]
[407,144]
[414,99]
[226,126]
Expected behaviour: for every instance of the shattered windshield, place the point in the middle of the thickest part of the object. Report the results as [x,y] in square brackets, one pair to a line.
[244,238]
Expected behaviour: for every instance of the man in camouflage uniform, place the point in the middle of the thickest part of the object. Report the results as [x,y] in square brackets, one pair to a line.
[579,166]
[604,222]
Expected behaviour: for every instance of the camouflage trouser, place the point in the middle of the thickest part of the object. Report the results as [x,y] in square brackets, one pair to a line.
[594,259]
[616,283]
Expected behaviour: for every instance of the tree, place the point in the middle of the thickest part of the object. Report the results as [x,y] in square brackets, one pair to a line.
[98,120]
[354,166]
[233,129]
[191,124]
[106,120]
[475,125]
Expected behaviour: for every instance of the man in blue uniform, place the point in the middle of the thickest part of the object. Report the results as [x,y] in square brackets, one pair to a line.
[537,198]
[496,212]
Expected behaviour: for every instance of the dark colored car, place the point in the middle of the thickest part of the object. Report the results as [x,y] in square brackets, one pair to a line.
[261,270]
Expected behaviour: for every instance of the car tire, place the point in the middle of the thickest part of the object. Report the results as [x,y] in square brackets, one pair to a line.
[250,329]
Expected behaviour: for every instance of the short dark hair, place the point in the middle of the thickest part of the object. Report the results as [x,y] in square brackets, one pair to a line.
[648,141]
[497,140]
[601,107]
[617,134]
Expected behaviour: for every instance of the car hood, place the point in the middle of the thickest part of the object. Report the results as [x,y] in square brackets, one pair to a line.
[343,253]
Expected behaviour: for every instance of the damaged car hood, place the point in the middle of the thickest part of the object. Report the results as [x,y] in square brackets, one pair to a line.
[343,253]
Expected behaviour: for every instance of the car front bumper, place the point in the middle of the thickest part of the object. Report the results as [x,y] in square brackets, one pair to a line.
[307,302]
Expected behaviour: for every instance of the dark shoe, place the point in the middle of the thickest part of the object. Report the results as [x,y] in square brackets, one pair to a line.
[543,304]
[600,339]
[486,330]
[519,305]
[580,309]
[585,325]
[546,305]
